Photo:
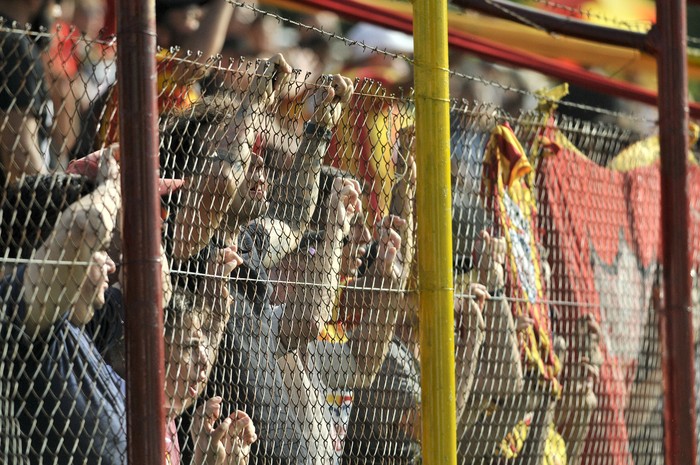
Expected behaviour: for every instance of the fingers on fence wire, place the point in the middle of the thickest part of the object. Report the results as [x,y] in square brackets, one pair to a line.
[588,357]
[389,245]
[214,286]
[469,319]
[217,440]
[344,206]
[271,78]
[329,97]
[490,258]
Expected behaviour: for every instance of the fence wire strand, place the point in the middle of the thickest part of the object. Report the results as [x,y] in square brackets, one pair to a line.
[290,265]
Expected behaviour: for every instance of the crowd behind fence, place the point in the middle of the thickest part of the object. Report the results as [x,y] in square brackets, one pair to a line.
[289,269]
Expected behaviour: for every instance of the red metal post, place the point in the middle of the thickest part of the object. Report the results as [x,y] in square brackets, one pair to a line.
[138,133]
[676,315]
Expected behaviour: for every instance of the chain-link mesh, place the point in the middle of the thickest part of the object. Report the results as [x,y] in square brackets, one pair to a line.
[288,230]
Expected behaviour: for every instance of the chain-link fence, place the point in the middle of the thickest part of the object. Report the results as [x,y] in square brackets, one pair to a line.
[288,232]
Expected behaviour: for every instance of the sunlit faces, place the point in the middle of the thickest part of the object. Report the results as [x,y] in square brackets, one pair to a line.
[186,362]
[250,200]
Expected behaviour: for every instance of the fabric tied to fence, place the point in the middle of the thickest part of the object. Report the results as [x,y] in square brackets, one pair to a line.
[513,203]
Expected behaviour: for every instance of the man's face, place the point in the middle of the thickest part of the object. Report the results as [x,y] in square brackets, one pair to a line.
[186,363]
[250,201]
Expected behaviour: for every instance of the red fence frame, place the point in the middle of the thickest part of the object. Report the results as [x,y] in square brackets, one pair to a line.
[144,318]
[676,315]
[143,324]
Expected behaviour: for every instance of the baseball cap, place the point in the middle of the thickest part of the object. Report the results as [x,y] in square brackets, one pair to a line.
[89,166]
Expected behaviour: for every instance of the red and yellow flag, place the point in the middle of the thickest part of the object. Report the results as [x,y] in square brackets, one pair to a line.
[509,196]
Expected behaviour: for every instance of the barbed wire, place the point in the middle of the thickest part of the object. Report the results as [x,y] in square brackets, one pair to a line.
[212,61]
[329,35]
[580,106]
[483,81]
[11,26]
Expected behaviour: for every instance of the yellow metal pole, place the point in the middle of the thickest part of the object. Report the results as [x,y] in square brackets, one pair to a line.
[439,437]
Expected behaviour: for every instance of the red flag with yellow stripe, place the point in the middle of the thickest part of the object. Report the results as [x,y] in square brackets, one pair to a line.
[509,196]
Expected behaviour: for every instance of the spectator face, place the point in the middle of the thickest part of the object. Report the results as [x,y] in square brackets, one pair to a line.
[356,247]
[92,291]
[250,201]
[186,363]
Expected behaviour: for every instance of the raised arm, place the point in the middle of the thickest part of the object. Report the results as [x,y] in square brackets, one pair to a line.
[209,193]
[56,273]
[213,26]
[376,299]
[580,374]
[469,339]
[309,304]
[500,373]
[497,400]
[293,201]
[373,302]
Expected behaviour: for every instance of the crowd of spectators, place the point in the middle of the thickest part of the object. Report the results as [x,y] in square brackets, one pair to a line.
[288,256]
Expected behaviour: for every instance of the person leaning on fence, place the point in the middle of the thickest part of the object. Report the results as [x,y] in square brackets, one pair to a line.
[86,387]
[246,372]
[70,404]
[580,373]
[383,425]
[299,318]
[509,415]
[490,408]
[198,186]
[25,119]
[335,327]
[194,324]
